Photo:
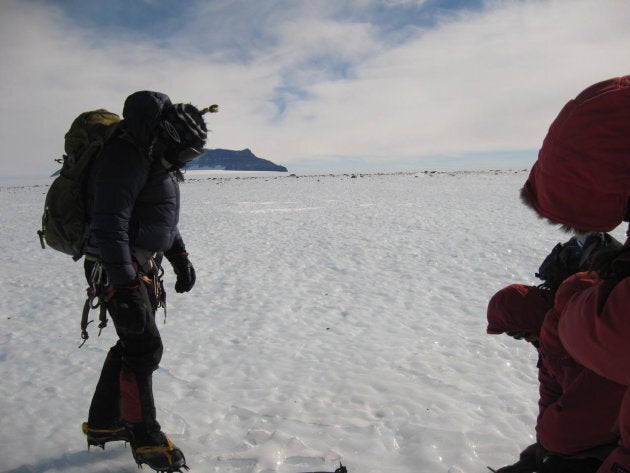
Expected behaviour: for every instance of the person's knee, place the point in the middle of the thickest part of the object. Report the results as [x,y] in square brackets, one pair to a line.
[144,361]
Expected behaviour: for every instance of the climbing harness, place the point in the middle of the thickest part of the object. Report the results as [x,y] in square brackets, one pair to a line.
[100,292]
[154,280]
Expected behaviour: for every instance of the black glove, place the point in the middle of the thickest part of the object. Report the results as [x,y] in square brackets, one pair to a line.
[130,308]
[557,464]
[178,257]
[529,462]
[184,270]
[526,465]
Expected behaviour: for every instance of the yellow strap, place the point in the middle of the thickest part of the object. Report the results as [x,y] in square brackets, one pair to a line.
[87,429]
[159,449]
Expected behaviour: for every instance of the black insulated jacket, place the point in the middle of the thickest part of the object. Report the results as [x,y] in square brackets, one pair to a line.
[133,200]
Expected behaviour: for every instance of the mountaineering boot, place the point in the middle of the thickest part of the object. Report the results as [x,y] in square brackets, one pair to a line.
[99,437]
[149,445]
[155,450]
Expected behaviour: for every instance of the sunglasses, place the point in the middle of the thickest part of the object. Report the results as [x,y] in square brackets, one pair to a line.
[188,154]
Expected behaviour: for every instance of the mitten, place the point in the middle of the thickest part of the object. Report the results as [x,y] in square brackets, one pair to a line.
[185,272]
[617,462]
[529,460]
[178,257]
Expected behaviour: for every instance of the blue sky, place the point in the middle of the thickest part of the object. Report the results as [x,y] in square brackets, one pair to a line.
[315,85]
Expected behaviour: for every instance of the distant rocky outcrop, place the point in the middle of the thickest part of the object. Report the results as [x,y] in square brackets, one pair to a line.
[229,160]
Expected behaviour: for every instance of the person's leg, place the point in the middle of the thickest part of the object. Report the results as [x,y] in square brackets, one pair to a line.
[105,410]
[105,423]
[141,356]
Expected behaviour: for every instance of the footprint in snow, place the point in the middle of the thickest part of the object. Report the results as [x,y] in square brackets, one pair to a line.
[268,451]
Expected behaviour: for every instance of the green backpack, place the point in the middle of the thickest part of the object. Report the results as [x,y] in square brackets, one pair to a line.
[64,223]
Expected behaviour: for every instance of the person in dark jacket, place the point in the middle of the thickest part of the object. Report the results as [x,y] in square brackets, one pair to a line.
[134,203]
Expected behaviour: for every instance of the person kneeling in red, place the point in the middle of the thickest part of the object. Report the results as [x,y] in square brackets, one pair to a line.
[581,180]
[577,407]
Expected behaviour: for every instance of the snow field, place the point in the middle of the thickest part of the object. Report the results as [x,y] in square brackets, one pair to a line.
[335,318]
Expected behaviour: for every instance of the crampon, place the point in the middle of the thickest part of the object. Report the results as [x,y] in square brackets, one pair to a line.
[161,458]
[99,437]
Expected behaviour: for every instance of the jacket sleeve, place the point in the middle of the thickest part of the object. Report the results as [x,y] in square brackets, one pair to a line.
[549,390]
[594,329]
[177,248]
[119,179]
[571,396]
[550,372]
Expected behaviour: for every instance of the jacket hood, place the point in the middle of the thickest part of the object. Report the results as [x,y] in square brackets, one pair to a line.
[518,308]
[582,176]
[142,113]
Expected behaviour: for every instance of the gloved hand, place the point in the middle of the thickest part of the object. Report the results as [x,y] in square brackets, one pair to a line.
[526,465]
[530,460]
[618,460]
[130,307]
[536,450]
[184,270]
[178,257]
[558,464]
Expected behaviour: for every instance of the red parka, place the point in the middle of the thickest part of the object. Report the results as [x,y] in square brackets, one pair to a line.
[584,415]
[577,408]
[582,180]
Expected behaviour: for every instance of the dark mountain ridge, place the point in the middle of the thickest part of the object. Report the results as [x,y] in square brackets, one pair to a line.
[230,160]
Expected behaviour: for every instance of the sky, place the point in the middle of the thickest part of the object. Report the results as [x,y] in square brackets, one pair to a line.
[317,85]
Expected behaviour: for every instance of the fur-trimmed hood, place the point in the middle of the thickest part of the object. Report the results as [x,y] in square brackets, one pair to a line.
[582,176]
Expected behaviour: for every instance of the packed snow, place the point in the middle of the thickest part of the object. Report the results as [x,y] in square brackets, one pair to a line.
[336,318]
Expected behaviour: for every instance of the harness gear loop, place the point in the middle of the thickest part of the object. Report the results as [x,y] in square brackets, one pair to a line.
[102,317]
[154,281]
[84,317]
[158,285]
[98,293]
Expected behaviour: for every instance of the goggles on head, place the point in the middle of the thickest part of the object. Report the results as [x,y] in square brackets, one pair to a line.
[178,154]
[183,132]
[186,155]
[171,131]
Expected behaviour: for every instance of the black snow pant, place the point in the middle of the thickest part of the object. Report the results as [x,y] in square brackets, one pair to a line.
[124,392]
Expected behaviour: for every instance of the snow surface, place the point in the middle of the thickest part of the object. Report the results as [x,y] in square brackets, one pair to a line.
[335,318]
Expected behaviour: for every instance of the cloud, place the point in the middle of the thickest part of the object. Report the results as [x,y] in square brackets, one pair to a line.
[489,80]
[310,84]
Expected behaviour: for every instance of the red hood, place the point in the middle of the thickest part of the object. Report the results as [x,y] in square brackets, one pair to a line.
[582,176]
[518,308]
